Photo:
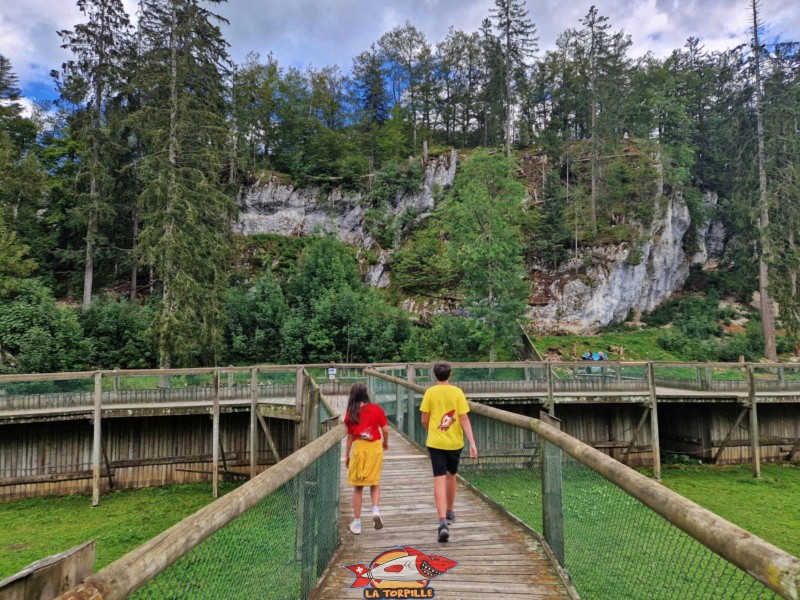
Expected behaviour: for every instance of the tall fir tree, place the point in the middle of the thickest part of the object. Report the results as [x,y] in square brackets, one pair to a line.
[765,243]
[186,211]
[89,80]
[518,42]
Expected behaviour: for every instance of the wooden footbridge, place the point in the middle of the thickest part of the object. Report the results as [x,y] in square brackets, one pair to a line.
[541,514]
[488,544]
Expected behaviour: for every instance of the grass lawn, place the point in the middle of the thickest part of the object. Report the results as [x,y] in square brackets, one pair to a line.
[639,345]
[767,507]
[37,528]
[617,548]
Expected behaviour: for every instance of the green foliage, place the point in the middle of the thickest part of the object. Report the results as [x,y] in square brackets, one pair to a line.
[393,180]
[255,316]
[482,225]
[447,338]
[421,265]
[14,263]
[333,315]
[38,336]
[552,231]
[119,332]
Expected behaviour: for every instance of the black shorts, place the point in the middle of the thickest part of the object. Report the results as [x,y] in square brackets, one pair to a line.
[444,461]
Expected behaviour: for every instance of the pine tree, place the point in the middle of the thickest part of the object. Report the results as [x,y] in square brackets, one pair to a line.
[552,233]
[767,311]
[518,42]
[90,79]
[485,244]
[186,212]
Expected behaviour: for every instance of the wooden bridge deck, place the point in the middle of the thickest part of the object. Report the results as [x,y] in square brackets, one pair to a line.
[493,552]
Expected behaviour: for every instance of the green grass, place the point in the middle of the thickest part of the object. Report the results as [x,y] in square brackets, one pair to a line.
[617,548]
[639,345]
[762,506]
[37,528]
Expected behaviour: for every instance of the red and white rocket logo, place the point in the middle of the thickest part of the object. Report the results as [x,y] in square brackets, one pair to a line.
[447,421]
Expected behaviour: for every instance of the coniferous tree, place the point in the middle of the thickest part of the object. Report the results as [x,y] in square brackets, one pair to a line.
[481,222]
[516,34]
[186,212]
[89,80]
[765,254]
[552,233]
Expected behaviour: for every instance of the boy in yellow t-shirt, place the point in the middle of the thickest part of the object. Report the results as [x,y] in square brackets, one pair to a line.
[444,414]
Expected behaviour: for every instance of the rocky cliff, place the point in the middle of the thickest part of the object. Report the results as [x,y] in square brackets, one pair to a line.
[272,207]
[598,287]
[603,285]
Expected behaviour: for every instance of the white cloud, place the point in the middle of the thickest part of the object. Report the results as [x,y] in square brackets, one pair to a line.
[322,32]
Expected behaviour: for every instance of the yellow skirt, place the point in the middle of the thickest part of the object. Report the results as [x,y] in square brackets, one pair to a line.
[366,463]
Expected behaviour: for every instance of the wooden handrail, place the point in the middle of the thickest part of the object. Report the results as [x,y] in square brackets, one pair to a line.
[129,573]
[775,568]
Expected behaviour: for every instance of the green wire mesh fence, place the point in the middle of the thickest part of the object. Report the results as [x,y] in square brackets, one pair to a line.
[276,550]
[611,545]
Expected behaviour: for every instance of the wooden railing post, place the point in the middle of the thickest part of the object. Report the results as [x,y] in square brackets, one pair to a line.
[299,409]
[551,405]
[651,384]
[215,438]
[96,438]
[253,422]
[756,448]
[411,373]
[552,506]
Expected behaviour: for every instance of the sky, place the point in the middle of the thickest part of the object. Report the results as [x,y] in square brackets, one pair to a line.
[324,32]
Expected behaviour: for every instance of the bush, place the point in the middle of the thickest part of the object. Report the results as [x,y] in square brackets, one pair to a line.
[119,331]
[37,336]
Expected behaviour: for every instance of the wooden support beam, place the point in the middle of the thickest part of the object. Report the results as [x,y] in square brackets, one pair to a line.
[651,384]
[215,438]
[635,436]
[793,451]
[109,472]
[96,439]
[270,439]
[754,423]
[728,437]
[254,414]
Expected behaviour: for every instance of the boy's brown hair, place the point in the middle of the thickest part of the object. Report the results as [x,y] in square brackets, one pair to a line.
[442,371]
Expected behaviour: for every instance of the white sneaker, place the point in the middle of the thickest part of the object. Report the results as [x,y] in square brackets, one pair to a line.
[376,517]
[355,527]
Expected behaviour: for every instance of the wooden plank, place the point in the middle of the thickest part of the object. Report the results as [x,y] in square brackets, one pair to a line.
[51,576]
[483,540]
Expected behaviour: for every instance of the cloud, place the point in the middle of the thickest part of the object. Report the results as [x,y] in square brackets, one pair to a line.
[323,32]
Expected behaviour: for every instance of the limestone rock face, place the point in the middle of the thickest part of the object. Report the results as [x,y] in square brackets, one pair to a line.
[274,207]
[602,285]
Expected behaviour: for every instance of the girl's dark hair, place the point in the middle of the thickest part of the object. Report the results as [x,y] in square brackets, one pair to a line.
[358,397]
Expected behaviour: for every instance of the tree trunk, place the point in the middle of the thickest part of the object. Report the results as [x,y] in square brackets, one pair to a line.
[767,310]
[134,262]
[88,269]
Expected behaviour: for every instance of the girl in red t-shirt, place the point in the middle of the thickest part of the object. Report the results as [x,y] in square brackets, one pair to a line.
[367,437]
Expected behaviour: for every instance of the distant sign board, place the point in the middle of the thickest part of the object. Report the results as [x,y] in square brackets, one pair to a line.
[331,372]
